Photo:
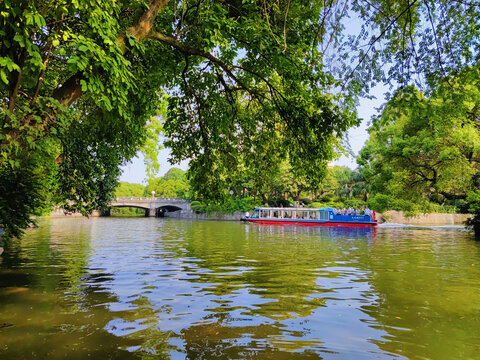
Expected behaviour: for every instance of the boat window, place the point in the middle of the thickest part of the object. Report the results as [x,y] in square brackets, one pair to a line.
[323,215]
[255,214]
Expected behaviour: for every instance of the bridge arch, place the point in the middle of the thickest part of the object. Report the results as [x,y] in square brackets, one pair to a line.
[163,210]
[152,206]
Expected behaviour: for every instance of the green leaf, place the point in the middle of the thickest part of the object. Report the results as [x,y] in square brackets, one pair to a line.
[3,76]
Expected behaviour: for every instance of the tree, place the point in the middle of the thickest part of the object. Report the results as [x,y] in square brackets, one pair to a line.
[80,80]
[129,189]
[75,68]
[406,42]
[427,150]
[173,184]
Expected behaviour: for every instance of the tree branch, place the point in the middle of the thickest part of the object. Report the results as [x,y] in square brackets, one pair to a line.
[285,28]
[390,24]
[169,40]
[71,90]
[144,25]
[437,46]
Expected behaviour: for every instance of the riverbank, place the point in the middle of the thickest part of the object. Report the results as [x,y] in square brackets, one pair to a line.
[392,216]
[189,214]
[398,217]
[59,212]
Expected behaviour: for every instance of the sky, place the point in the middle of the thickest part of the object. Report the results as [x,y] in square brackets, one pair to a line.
[135,170]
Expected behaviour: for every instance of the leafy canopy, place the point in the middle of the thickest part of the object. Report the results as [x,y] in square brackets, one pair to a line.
[427,150]
[173,184]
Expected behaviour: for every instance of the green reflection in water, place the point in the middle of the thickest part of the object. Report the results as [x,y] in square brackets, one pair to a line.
[428,286]
[152,288]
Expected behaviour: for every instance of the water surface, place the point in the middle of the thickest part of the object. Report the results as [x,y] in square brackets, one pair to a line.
[146,288]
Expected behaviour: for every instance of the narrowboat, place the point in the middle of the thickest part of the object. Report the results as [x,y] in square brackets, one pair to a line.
[305,216]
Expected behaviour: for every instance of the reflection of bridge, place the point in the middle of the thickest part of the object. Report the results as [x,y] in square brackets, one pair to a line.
[152,206]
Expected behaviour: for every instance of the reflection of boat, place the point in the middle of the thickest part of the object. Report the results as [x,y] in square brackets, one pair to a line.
[325,232]
[305,216]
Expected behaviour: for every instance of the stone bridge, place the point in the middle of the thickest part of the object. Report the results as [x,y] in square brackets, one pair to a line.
[153,206]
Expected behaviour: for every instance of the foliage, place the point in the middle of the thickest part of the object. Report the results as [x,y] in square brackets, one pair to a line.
[16,188]
[197,207]
[81,82]
[229,206]
[474,222]
[173,184]
[402,42]
[274,100]
[54,55]
[424,153]
[127,212]
[129,189]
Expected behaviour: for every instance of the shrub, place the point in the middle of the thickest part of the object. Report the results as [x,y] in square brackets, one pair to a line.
[380,202]
[474,223]
[306,201]
[197,207]
[354,203]
[229,206]
[316,205]
[461,205]
[325,198]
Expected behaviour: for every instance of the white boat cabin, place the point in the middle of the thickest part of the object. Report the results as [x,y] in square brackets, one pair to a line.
[292,213]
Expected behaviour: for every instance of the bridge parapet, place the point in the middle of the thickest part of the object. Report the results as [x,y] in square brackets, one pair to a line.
[149,199]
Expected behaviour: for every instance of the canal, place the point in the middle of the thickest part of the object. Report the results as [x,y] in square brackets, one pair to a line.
[146,288]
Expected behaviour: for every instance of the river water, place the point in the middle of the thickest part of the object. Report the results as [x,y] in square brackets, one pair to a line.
[146,288]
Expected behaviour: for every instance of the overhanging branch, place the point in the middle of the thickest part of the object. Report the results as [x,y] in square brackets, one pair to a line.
[169,40]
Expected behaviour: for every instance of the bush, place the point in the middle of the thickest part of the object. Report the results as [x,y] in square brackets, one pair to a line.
[461,205]
[229,206]
[317,205]
[325,198]
[306,201]
[474,223]
[380,202]
[354,203]
[197,207]
[408,207]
